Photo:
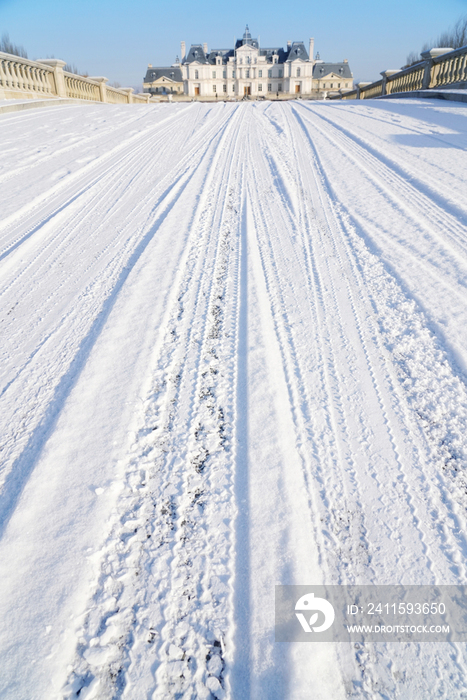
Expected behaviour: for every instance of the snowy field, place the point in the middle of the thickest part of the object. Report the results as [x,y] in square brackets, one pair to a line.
[233,354]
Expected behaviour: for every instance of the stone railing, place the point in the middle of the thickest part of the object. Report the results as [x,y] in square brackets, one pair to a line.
[449,69]
[439,68]
[372,90]
[21,78]
[81,88]
[118,96]
[18,75]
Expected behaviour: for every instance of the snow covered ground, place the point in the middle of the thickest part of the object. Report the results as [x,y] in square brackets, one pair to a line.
[234,354]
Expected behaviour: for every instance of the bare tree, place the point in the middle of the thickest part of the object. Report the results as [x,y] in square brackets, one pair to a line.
[412,59]
[454,38]
[7,47]
[71,68]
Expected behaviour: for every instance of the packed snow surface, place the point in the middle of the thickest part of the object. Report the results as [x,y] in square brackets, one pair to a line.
[233,354]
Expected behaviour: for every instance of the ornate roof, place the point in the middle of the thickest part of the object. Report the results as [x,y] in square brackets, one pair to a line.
[196,53]
[322,69]
[298,51]
[171,73]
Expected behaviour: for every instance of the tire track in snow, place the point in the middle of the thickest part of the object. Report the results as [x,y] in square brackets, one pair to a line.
[154,617]
[92,300]
[445,230]
[330,242]
[183,403]
[322,419]
[367,672]
[440,218]
[60,241]
[26,446]
[49,203]
[340,500]
[77,144]
[450,542]
[432,352]
[297,528]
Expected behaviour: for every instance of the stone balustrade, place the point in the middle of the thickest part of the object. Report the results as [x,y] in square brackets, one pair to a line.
[373,90]
[439,68]
[406,80]
[81,88]
[21,78]
[117,96]
[18,75]
[449,69]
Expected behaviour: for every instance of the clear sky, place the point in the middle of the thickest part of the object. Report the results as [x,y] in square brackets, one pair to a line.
[118,38]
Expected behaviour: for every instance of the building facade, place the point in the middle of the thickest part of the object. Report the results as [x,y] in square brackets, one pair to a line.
[330,77]
[249,70]
[163,81]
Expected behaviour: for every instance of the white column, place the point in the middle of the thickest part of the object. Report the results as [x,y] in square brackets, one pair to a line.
[311,48]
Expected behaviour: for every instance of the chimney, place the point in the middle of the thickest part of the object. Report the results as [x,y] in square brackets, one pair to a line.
[183,51]
[289,45]
[205,49]
[311,49]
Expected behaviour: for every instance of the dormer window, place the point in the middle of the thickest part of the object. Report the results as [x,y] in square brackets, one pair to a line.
[195,54]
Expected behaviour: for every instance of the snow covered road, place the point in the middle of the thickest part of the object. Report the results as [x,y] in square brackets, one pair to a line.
[234,354]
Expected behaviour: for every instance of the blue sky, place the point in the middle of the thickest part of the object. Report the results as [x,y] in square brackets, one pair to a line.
[118,39]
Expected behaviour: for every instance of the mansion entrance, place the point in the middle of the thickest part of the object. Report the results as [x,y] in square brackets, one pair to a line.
[247,90]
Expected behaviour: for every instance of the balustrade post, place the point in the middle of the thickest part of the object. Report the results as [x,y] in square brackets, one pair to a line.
[359,89]
[386,74]
[428,57]
[3,81]
[59,78]
[129,92]
[102,86]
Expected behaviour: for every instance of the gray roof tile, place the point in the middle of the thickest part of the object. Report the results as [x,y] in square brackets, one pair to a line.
[322,69]
[170,72]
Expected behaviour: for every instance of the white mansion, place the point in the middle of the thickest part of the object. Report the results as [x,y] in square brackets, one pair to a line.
[248,70]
